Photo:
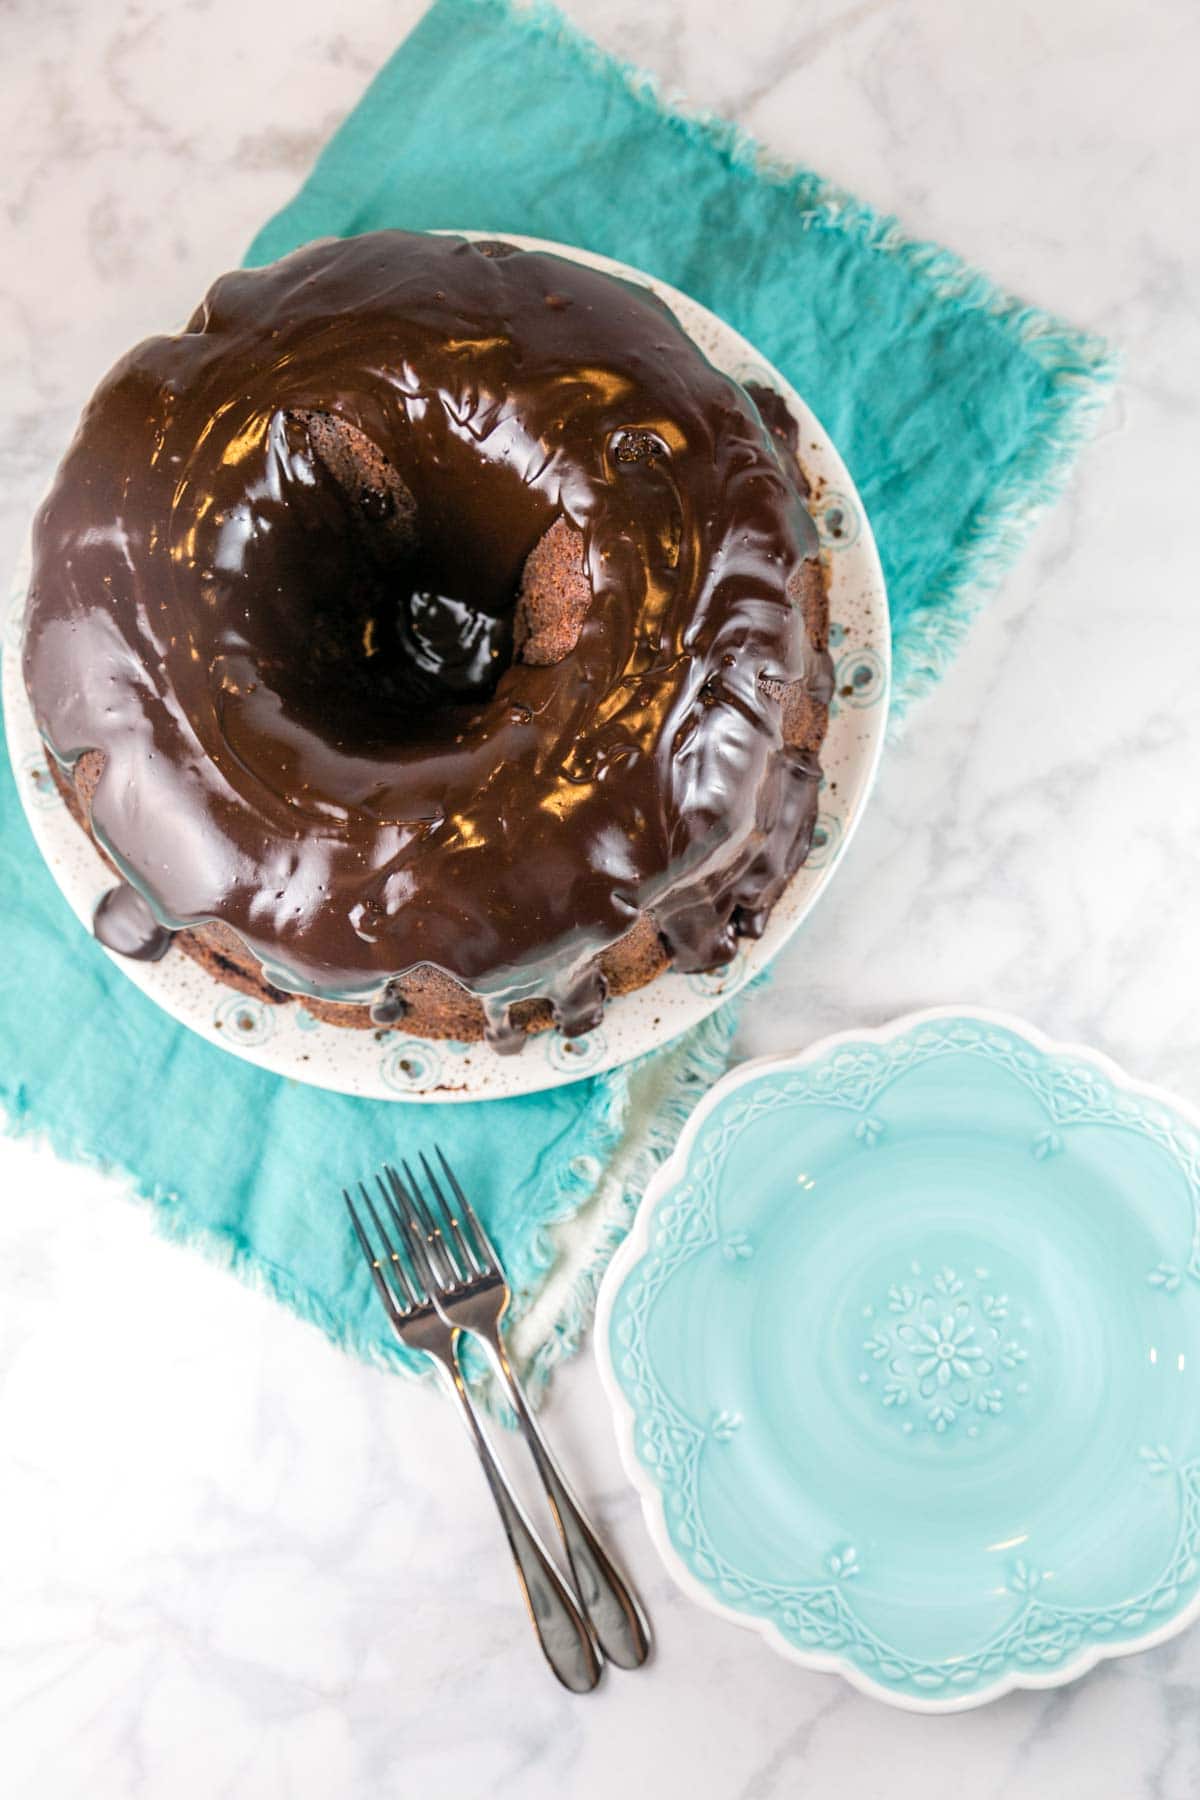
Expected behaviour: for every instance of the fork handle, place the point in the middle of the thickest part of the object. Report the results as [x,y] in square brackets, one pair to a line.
[613,1609]
[561,1630]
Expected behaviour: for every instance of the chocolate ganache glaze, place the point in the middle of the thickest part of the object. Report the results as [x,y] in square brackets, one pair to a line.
[312,723]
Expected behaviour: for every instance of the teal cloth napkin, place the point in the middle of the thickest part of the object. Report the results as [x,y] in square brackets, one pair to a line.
[958,410]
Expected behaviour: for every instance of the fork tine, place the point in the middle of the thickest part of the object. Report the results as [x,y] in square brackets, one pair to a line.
[390,1183]
[467,1263]
[414,1295]
[373,1263]
[486,1258]
[410,1280]
[413,1233]
[435,1242]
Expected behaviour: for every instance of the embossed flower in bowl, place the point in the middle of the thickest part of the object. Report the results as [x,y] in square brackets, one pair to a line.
[904,1351]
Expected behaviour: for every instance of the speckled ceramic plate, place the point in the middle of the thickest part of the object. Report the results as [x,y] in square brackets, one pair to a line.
[904,1350]
[389,1065]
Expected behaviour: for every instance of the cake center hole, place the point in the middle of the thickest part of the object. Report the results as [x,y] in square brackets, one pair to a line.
[395,647]
[463,652]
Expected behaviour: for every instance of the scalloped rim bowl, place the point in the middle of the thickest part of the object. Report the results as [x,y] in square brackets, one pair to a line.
[939,1435]
[392,1066]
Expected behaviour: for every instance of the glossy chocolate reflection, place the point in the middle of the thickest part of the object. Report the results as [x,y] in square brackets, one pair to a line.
[123,922]
[302,679]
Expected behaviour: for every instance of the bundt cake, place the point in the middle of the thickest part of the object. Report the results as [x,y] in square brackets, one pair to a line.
[430,631]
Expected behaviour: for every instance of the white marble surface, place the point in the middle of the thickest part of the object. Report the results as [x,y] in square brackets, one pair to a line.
[219,1573]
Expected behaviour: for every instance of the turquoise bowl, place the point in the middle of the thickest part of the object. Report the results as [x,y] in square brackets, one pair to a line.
[904,1349]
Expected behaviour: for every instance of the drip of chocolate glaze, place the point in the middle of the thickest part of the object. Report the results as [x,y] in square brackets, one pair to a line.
[505,1037]
[123,922]
[390,1007]
[326,748]
[776,416]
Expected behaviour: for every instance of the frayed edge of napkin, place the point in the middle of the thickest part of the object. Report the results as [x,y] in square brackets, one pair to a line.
[602,1191]
[1081,367]
[625,1138]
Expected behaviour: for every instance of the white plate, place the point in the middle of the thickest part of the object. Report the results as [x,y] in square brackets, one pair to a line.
[389,1065]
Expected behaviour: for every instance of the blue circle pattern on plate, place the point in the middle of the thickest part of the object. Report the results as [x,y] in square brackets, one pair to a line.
[38,782]
[752,373]
[827,835]
[858,679]
[412,1066]
[575,1055]
[1024,1634]
[247,1019]
[725,980]
[837,520]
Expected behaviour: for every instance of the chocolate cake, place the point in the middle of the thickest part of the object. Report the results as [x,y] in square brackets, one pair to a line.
[429,630]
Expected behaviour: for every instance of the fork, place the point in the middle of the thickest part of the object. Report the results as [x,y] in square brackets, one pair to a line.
[562,1632]
[466,1283]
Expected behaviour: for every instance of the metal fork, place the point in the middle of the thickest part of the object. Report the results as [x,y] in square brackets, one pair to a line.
[562,1632]
[467,1286]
